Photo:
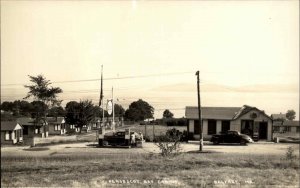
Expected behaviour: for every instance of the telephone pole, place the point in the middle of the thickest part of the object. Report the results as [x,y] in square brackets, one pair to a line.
[199,111]
[113,109]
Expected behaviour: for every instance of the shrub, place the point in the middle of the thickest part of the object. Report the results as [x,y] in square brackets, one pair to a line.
[173,121]
[290,156]
[168,144]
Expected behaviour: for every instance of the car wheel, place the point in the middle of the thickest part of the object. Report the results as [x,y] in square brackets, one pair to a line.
[243,142]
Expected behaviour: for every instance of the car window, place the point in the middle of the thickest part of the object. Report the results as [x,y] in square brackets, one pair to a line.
[120,133]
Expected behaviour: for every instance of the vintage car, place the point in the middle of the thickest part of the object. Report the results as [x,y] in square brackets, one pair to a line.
[231,137]
[119,139]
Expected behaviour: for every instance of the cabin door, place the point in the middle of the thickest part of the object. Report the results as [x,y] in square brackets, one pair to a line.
[263,130]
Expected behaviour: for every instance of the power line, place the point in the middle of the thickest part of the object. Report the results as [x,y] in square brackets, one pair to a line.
[111,78]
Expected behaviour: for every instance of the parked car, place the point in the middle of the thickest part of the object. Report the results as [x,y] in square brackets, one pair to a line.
[119,139]
[231,137]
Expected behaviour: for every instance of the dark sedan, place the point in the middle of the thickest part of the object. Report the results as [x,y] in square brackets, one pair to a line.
[231,137]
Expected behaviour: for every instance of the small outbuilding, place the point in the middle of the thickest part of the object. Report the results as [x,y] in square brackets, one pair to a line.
[33,127]
[286,126]
[11,132]
[57,125]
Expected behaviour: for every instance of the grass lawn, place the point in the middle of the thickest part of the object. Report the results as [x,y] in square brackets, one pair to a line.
[141,170]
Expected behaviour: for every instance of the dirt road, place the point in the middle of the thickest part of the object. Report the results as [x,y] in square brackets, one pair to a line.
[89,148]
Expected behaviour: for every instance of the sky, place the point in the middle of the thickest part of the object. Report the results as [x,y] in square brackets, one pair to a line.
[247,52]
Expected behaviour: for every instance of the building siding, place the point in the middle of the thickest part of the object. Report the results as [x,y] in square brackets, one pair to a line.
[219,126]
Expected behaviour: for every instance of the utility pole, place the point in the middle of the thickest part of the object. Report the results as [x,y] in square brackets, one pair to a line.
[101,97]
[113,109]
[199,111]
[145,128]
[153,131]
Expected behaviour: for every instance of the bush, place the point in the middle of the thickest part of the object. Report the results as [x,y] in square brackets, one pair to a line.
[182,135]
[290,156]
[173,121]
[169,144]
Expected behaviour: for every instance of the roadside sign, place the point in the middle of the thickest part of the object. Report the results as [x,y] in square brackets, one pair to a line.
[109,107]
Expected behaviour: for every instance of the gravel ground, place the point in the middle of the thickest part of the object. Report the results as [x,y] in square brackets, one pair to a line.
[89,148]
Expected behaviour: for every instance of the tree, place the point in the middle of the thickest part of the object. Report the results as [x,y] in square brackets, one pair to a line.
[22,108]
[7,106]
[168,114]
[39,109]
[71,112]
[99,113]
[57,111]
[42,91]
[119,110]
[80,114]
[18,108]
[139,110]
[290,115]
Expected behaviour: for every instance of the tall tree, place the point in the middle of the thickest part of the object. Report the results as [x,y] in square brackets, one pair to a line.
[80,114]
[167,114]
[139,110]
[41,90]
[71,112]
[290,115]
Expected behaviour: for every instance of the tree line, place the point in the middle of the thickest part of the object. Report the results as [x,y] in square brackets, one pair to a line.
[46,104]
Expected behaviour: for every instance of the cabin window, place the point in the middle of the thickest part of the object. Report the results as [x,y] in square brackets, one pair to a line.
[276,129]
[297,129]
[212,127]
[72,126]
[94,125]
[57,127]
[36,131]
[6,135]
[196,127]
